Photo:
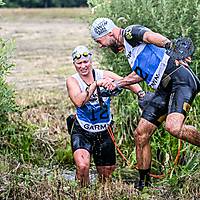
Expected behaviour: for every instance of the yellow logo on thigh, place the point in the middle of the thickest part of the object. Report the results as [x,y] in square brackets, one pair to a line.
[162,118]
[186,106]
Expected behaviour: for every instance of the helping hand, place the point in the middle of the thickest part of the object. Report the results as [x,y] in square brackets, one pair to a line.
[109,93]
[107,83]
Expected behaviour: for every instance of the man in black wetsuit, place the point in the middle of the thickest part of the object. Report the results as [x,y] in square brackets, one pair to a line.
[174,82]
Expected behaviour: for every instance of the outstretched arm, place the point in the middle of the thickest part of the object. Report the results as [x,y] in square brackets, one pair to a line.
[126,82]
[113,76]
[143,97]
[132,78]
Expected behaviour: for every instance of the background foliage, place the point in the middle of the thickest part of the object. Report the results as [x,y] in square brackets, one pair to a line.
[7,101]
[173,19]
[1,3]
[45,3]
[16,137]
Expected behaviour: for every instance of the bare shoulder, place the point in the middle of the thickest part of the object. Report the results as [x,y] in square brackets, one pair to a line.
[70,78]
[71,81]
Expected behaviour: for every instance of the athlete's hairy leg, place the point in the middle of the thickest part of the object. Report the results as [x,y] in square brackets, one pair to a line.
[175,125]
[142,136]
[105,172]
[82,161]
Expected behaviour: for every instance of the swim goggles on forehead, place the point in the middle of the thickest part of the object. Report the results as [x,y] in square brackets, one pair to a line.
[84,54]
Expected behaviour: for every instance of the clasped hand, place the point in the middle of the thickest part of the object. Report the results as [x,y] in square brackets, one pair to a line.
[107,83]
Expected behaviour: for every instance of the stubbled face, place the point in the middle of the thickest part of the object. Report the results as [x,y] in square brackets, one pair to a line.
[109,41]
[83,66]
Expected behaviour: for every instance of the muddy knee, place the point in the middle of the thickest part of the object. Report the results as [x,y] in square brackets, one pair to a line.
[173,130]
[141,138]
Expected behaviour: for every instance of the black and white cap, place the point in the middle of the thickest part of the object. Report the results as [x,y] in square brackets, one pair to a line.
[101,27]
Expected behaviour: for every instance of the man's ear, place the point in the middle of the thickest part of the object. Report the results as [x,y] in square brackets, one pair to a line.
[110,34]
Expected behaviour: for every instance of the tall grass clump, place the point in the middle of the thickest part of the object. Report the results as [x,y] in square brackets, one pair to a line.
[27,153]
[173,19]
[15,133]
[23,147]
[20,142]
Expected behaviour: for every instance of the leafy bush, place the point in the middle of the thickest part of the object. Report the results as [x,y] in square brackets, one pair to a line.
[171,18]
[7,100]
[1,3]
[45,3]
[10,127]
[17,137]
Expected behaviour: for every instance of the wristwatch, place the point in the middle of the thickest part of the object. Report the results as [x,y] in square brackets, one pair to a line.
[141,93]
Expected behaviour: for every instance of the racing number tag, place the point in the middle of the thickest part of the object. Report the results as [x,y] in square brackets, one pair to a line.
[99,114]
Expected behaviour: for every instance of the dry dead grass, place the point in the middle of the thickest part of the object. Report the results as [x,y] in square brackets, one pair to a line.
[44,40]
[24,13]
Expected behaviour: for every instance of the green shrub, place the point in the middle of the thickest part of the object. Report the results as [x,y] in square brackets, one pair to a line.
[15,133]
[7,99]
[17,138]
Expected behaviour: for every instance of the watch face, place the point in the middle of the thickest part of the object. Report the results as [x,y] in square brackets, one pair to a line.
[141,93]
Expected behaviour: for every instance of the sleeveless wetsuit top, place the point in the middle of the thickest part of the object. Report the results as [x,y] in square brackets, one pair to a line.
[91,116]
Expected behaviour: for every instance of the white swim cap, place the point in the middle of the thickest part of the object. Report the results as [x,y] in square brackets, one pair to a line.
[81,52]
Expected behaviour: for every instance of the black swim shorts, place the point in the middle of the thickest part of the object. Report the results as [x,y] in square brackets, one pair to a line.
[99,144]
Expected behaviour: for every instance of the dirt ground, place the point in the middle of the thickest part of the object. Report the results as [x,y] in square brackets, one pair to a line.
[43,45]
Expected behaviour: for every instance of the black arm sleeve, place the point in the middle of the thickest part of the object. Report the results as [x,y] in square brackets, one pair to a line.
[134,34]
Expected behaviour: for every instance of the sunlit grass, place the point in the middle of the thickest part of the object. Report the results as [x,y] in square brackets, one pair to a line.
[50,13]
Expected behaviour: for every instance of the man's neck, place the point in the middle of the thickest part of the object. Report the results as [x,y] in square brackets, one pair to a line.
[117,32]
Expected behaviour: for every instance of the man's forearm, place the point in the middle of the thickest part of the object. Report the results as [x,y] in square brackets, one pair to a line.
[156,38]
[129,80]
